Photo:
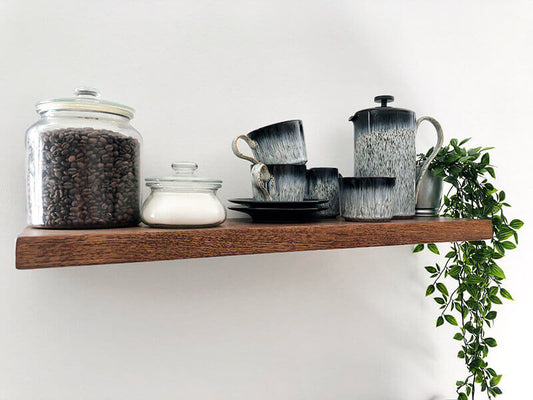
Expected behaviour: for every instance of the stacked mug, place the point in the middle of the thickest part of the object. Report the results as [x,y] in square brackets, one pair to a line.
[278,160]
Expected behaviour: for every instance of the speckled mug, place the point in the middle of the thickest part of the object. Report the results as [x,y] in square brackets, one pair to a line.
[278,182]
[323,184]
[367,199]
[281,143]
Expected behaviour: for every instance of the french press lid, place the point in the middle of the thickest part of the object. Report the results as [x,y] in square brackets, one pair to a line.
[384,111]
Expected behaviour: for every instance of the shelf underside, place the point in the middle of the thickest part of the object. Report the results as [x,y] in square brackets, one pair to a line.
[40,248]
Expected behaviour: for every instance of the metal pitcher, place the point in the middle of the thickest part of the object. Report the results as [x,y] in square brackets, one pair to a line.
[384,145]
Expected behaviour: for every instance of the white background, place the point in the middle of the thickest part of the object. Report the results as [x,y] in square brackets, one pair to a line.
[348,324]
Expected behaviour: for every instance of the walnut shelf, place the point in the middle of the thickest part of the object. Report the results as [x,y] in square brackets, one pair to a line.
[41,248]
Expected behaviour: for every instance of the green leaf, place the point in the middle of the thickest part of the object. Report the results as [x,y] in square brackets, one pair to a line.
[496,271]
[474,279]
[495,380]
[476,362]
[442,288]
[454,271]
[430,269]
[491,342]
[485,159]
[505,294]
[450,254]
[516,224]
[458,336]
[440,321]
[491,315]
[451,319]
[501,196]
[499,248]
[508,245]
[430,289]
[451,158]
[475,150]
[495,299]
[451,180]
[464,141]
[462,396]
[418,248]
[439,300]
[433,248]
[504,233]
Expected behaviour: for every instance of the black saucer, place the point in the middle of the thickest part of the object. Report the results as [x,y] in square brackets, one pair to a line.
[279,204]
[280,215]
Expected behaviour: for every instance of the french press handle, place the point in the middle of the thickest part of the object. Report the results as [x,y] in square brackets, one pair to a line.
[440,139]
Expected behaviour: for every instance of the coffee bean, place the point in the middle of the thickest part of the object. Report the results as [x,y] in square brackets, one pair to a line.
[88,178]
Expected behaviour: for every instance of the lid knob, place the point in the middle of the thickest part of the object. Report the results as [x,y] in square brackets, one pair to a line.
[384,99]
[184,168]
[86,91]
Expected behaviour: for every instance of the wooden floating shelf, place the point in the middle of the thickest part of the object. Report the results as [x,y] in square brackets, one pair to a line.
[42,248]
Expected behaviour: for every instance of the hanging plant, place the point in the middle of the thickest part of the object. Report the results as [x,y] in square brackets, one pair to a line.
[467,286]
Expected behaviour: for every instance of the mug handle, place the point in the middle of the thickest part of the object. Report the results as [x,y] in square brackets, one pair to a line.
[260,174]
[237,152]
[440,139]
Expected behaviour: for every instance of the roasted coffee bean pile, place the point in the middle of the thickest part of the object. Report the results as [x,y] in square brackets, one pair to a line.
[90,178]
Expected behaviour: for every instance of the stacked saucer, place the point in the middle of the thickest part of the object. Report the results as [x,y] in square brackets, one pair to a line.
[280,211]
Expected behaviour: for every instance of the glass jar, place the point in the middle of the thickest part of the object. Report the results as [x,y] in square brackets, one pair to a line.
[183,200]
[83,164]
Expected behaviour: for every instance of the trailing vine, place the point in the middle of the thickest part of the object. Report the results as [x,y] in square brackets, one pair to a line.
[471,266]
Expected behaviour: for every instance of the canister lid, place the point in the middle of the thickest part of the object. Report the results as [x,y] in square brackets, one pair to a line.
[184,177]
[383,99]
[86,99]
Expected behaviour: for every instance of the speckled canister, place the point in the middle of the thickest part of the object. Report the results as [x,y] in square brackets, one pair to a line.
[323,184]
[384,145]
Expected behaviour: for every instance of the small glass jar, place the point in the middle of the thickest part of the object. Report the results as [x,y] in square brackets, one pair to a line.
[183,200]
[83,164]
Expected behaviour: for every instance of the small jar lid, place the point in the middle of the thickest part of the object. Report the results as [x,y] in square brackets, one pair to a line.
[86,99]
[184,177]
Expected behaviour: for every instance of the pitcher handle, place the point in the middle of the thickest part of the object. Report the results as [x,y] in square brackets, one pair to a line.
[440,139]
[237,152]
[258,178]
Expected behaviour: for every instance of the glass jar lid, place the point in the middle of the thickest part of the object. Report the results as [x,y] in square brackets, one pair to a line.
[184,178]
[86,99]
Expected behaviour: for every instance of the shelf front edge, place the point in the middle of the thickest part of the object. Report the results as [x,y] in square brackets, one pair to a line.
[46,249]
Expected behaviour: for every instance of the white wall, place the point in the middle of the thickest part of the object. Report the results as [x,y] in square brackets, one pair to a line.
[348,324]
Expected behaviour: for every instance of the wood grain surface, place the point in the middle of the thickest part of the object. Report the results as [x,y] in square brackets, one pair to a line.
[41,248]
